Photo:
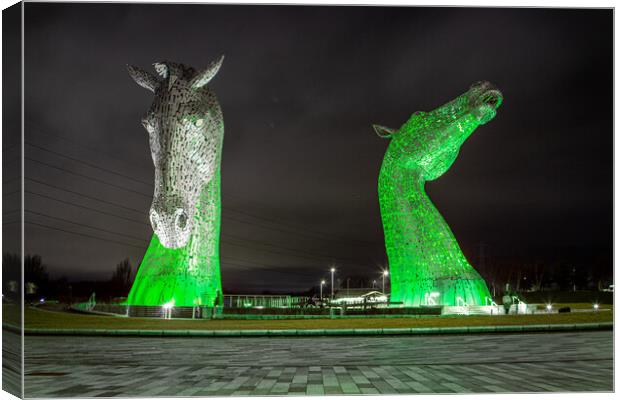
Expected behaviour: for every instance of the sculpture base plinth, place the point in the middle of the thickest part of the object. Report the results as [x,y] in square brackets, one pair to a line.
[441,291]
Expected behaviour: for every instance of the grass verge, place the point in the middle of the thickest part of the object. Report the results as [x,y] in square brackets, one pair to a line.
[35,318]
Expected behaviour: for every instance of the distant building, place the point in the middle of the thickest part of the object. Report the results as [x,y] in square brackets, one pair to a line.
[359,296]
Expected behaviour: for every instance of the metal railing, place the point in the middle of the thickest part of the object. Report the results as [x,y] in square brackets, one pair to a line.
[488,301]
[461,303]
[266,301]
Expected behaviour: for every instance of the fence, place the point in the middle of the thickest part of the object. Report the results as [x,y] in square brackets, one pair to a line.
[266,301]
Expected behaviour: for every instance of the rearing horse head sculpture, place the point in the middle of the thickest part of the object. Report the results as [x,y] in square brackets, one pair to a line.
[427,265]
[186,128]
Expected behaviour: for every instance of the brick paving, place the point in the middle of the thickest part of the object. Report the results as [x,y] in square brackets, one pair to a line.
[11,362]
[125,367]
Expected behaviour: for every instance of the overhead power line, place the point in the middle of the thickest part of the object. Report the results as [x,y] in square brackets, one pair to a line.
[109,171]
[309,234]
[262,268]
[279,247]
[81,145]
[88,177]
[86,196]
[87,226]
[289,228]
[142,222]
[145,243]
[83,235]
[223,260]
[227,209]
[245,243]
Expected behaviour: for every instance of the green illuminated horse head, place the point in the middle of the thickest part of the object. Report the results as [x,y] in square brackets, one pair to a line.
[430,141]
[426,264]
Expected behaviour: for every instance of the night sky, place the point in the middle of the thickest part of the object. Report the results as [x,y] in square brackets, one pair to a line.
[299,89]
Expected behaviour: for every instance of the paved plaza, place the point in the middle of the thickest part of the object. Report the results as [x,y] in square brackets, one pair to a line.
[124,366]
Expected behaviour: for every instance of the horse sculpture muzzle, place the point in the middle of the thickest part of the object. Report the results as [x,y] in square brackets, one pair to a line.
[172,228]
[485,99]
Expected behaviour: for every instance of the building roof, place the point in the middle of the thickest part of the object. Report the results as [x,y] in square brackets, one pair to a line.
[357,292]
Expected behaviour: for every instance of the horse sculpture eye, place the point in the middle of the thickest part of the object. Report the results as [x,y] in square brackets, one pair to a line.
[146,123]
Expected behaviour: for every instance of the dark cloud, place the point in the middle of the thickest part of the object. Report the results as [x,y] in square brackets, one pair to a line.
[299,88]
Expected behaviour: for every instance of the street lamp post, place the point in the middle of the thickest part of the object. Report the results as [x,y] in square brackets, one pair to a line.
[333,270]
[322,283]
[385,273]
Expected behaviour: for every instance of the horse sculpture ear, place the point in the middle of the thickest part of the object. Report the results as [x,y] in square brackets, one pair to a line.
[143,78]
[162,69]
[205,76]
[383,131]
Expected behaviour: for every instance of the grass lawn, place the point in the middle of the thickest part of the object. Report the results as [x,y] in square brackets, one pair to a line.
[35,318]
[11,314]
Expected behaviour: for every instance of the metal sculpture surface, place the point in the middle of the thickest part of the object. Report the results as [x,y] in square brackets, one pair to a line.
[186,131]
[426,264]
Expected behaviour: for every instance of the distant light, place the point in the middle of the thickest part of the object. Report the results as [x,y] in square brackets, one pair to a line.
[385,273]
[42,300]
[333,269]
[323,282]
[549,307]
[168,305]
[595,306]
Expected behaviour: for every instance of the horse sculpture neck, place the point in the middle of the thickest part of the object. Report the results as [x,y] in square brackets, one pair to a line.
[424,256]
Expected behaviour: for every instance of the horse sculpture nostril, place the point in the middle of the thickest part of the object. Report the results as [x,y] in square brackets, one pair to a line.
[153,218]
[492,98]
[181,220]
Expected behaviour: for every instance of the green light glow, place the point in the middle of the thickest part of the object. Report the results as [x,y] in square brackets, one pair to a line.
[189,275]
[426,263]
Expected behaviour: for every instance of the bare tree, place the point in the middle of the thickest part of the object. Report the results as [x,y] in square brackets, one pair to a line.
[121,279]
[538,274]
[35,275]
